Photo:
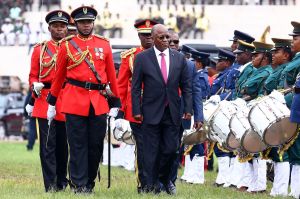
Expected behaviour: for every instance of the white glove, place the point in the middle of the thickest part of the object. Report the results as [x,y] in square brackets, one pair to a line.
[51,113]
[29,109]
[278,96]
[215,99]
[37,87]
[118,124]
[113,112]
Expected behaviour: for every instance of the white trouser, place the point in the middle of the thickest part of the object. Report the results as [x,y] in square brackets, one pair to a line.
[237,168]
[128,157]
[245,177]
[259,177]
[105,155]
[223,165]
[295,181]
[187,168]
[281,179]
[230,172]
[197,170]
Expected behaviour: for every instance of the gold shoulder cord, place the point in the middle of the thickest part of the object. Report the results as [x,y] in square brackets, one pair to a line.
[77,61]
[131,62]
[49,64]
[187,149]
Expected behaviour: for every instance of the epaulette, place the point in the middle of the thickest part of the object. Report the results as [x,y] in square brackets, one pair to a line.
[66,38]
[40,44]
[125,53]
[101,37]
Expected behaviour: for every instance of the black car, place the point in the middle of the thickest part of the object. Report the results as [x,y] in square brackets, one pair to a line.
[11,113]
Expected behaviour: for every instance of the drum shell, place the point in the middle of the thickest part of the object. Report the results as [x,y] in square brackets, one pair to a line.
[194,137]
[270,119]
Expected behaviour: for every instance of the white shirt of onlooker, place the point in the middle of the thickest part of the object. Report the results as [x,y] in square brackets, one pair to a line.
[14,12]
[7,28]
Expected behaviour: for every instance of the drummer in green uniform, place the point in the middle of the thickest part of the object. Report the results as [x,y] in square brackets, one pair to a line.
[288,79]
[261,59]
[244,58]
[281,56]
[289,74]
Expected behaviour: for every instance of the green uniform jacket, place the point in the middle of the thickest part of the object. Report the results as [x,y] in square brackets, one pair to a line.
[275,156]
[244,75]
[288,77]
[254,84]
[271,84]
[272,81]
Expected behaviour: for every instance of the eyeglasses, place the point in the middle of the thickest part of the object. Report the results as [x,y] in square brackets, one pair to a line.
[162,37]
[174,41]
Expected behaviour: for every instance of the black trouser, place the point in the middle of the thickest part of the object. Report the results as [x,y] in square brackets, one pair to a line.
[85,136]
[53,154]
[179,152]
[160,143]
[138,136]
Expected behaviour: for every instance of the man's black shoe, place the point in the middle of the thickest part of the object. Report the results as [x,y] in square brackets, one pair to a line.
[170,188]
[51,188]
[83,190]
[140,190]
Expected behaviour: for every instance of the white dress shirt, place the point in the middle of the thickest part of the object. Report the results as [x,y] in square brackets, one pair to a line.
[167,58]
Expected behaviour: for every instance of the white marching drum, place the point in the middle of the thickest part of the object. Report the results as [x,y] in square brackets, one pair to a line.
[123,132]
[113,140]
[246,138]
[219,124]
[269,117]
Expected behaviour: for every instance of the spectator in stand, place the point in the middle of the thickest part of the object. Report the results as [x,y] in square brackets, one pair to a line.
[157,17]
[6,29]
[187,27]
[15,11]
[29,4]
[24,35]
[99,25]
[107,25]
[33,39]
[171,22]
[142,14]
[48,3]
[117,26]
[145,1]
[202,24]
[2,38]
[171,2]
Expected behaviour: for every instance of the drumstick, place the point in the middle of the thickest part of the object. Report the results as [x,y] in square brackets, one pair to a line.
[220,89]
[286,91]
[283,91]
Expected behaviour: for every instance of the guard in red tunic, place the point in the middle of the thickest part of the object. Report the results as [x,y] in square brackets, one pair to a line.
[86,62]
[124,84]
[53,142]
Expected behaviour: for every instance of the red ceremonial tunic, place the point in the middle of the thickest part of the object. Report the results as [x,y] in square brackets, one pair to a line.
[124,81]
[43,70]
[70,65]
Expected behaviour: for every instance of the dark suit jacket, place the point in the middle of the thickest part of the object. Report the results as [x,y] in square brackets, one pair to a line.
[151,103]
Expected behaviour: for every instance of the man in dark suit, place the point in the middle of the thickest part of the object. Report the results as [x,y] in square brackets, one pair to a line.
[162,72]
